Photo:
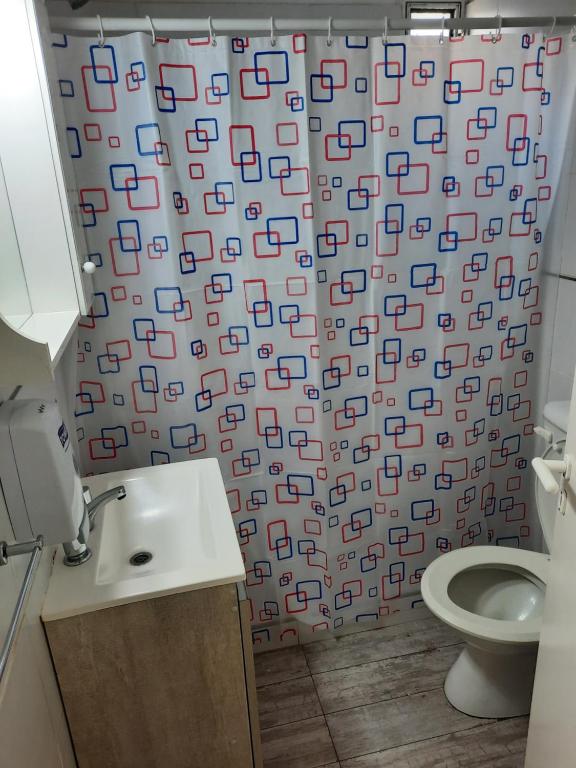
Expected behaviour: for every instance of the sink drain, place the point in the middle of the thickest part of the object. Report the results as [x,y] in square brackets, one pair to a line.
[141,558]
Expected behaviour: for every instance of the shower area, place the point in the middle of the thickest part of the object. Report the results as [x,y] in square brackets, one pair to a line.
[321,257]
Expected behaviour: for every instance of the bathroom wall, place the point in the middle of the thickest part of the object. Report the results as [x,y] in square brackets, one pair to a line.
[520,7]
[33,728]
[300,8]
[563,348]
[218,9]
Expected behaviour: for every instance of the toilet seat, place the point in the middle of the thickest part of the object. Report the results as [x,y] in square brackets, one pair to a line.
[440,572]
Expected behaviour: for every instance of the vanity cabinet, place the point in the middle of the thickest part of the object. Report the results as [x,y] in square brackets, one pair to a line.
[161,683]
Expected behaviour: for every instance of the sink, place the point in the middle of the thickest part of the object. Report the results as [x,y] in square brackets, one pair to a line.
[172,532]
[153,518]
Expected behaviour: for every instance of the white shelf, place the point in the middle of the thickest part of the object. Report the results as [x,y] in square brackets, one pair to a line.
[17,321]
[52,328]
[29,354]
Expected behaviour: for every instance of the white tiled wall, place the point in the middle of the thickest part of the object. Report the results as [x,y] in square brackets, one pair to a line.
[521,8]
[564,342]
[568,252]
[559,294]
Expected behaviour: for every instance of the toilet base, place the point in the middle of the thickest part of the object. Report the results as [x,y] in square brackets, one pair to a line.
[484,683]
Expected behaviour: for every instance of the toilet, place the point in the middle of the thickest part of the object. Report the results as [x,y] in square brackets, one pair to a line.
[494,597]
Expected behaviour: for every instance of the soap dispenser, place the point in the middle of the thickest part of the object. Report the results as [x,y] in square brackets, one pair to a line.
[39,477]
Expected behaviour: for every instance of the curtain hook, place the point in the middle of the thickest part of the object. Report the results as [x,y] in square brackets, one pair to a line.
[329,38]
[101,38]
[573,33]
[497,33]
[211,31]
[552,28]
[272,35]
[441,40]
[385,35]
[152,30]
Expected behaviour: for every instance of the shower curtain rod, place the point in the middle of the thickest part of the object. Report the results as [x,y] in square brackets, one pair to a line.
[85,25]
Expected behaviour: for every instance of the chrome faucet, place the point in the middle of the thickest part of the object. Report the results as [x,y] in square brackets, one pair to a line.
[92,507]
[77,551]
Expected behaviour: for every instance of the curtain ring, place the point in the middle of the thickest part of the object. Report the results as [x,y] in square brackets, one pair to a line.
[152,30]
[272,35]
[552,28]
[441,40]
[385,35]
[329,38]
[211,32]
[101,38]
[573,33]
[497,34]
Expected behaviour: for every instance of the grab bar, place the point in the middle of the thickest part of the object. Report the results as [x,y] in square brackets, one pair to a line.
[11,550]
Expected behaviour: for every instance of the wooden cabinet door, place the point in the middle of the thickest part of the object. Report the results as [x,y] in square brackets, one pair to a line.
[245,616]
[156,683]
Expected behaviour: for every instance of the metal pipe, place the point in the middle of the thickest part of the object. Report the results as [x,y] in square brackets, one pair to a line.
[35,547]
[17,548]
[86,25]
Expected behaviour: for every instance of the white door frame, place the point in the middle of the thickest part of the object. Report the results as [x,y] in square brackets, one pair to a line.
[552,731]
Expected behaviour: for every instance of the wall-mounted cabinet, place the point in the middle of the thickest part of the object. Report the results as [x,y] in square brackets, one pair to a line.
[43,286]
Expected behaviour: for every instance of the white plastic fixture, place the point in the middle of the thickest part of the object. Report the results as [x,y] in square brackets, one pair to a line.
[545,469]
[42,488]
[553,431]
[492,596]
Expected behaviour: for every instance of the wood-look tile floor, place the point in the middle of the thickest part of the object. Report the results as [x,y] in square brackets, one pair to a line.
[375,700]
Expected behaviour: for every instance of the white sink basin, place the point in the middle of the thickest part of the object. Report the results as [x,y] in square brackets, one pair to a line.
[178,514]
[170,523]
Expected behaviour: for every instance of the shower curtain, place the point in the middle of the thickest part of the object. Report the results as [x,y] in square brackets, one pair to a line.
[319,262]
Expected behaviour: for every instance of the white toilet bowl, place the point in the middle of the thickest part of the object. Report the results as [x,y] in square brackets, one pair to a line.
[493,596]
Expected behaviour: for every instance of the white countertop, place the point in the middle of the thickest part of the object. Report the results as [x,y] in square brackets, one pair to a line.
[178,512]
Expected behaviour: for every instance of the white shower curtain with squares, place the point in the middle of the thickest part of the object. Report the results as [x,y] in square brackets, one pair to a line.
[321,264]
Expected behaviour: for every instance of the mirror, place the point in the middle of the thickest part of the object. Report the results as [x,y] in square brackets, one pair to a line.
[14,300]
